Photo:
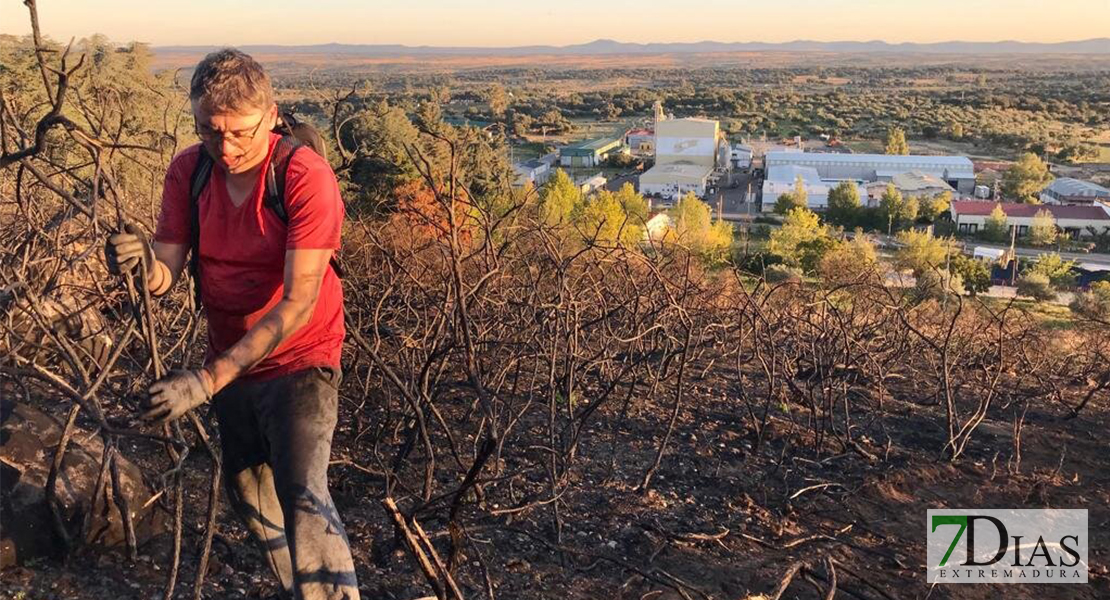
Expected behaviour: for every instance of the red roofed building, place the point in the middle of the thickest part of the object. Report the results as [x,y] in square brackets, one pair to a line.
[970,216]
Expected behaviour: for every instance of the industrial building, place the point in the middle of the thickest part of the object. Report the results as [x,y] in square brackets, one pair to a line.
[1066,190]
[913,183]
[781,179]
[956,171]
[675,180]
[534,171]
[741,157]
[590,184]
[686,153]
[640,142]
[970,216]
[590,153]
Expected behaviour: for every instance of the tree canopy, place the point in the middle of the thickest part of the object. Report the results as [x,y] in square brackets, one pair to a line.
[797,198]
[1042,228]
[802,240]
[844,204]
[1025,179]
[896,141]
[995,226]
[694,228]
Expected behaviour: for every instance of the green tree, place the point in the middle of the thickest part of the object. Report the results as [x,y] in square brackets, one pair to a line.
[117,96]
[1025,179]
[633,204]
[976,274]
[931,207]
[498,101]
[559,198]
[1077,153]
[995,227]
[695,229]
[1035,286]
[802,240]
[895,208]
[798,198]
[601,219]
[1042,229]
[379,163]
[910,209]
[522,123]
[920,251]
[896,141]
[843,204]
[553,121]
[1060,272]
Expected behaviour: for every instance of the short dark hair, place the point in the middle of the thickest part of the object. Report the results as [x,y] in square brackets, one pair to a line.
[230,80]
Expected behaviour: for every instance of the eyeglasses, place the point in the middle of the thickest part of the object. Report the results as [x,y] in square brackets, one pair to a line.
[238,137]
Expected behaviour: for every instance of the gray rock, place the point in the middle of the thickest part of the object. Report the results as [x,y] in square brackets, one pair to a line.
[28,439]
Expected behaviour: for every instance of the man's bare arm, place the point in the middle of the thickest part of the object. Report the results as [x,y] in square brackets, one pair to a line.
[304,272]
[169,261]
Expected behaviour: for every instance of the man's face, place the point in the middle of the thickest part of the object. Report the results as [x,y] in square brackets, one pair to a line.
[238,141]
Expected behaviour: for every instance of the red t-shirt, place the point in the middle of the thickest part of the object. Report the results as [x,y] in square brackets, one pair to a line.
[242,256]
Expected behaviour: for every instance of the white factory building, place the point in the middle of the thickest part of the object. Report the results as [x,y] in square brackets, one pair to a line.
[741,157]
[687,151]
[533,171]
[956,171]
[822,171]
[781,180]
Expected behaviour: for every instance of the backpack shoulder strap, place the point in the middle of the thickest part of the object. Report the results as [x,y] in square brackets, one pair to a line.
[275,175]
[276,172]
[202,172]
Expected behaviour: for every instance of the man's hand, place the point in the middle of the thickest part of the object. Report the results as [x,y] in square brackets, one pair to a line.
[177,393]
[124,251]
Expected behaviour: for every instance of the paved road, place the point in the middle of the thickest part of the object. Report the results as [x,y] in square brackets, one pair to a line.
[615,184]
[1083,257]
[733,197]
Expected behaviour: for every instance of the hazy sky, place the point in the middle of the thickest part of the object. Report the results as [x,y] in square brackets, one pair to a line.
[560,22]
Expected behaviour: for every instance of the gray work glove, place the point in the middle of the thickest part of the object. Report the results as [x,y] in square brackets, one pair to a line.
[125,250]
[175,394]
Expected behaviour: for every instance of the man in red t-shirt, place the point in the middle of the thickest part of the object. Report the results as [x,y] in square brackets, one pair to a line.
[275,321]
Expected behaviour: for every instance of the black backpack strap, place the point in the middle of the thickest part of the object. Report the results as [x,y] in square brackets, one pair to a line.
[202,172]
[276,172]
[275,175]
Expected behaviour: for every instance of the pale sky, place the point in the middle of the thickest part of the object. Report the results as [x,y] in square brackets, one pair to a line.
[559,22]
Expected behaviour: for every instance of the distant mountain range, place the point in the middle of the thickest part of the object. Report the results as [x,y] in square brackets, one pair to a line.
[604,47]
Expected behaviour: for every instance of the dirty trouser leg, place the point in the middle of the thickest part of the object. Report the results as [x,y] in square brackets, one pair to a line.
[249,481]
[298,419]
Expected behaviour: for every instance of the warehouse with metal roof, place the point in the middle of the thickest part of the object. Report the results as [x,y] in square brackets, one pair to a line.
[1066,190]
[956,171]
[589,153]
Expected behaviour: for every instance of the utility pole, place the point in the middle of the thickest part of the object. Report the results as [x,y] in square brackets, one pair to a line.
[748,221]
[1013,254]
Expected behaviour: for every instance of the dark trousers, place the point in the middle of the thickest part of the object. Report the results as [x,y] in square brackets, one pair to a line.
[276,437]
